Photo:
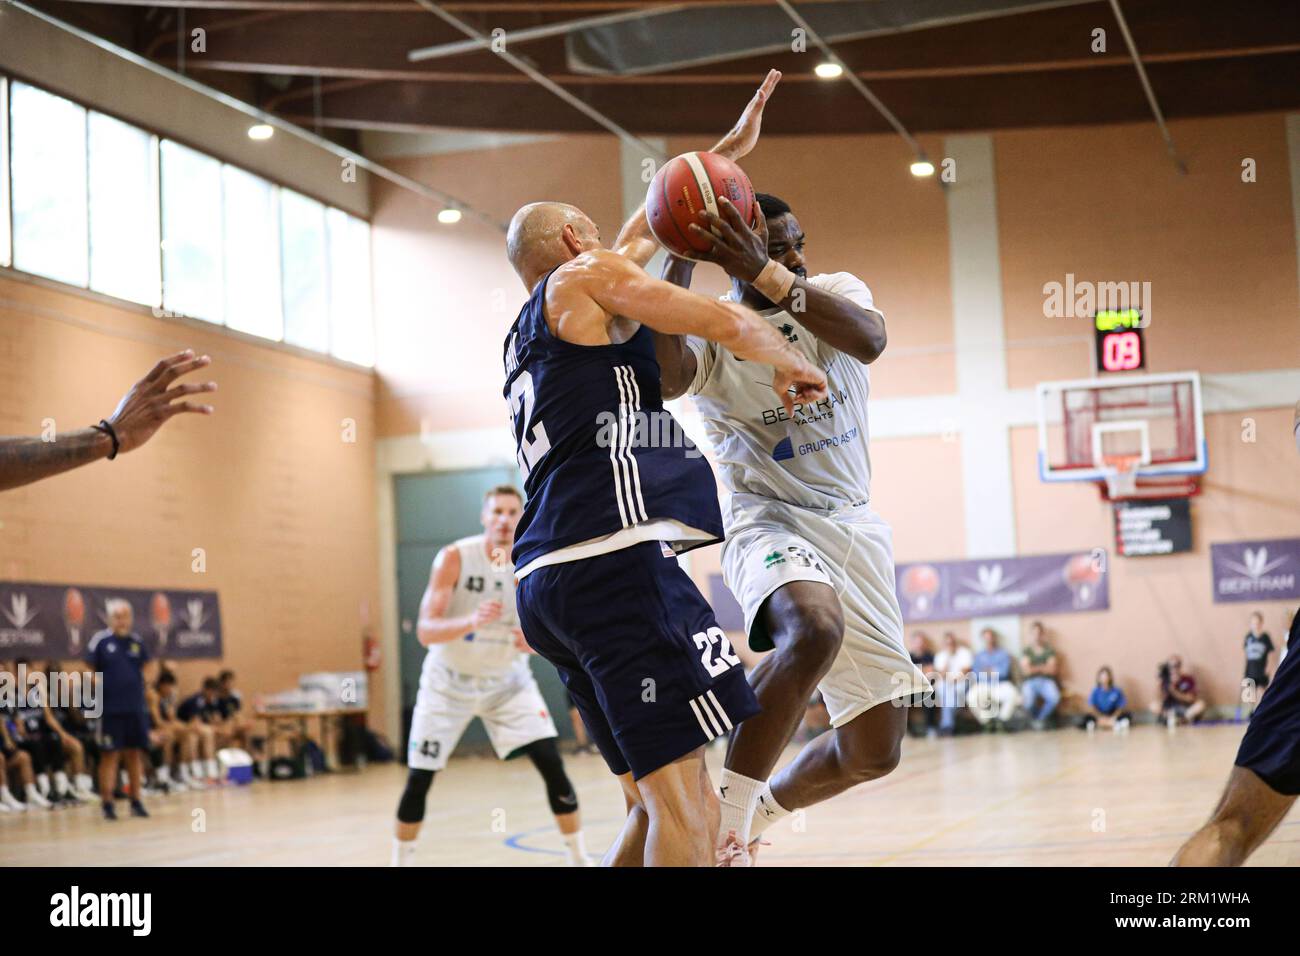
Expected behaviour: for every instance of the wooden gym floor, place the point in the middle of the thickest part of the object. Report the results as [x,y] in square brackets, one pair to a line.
[1063,798]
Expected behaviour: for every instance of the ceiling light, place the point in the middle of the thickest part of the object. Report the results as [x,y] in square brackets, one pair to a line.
[261,131]
[923,167]
[449,216]
[829,71]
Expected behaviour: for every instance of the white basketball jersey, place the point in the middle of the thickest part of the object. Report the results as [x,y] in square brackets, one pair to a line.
[816,458]
[490,651]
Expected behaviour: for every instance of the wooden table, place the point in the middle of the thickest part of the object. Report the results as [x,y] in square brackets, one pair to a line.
[276,720]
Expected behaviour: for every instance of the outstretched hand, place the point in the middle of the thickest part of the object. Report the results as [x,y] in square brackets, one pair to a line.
[153,400]
[738,249]
[744,135]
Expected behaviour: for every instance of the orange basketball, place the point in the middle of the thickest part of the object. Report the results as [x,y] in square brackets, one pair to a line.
[160,611]
[920,579]
[685,187]
[74,608]
[1082,569]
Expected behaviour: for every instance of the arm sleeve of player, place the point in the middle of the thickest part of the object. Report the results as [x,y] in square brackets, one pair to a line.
[705,352]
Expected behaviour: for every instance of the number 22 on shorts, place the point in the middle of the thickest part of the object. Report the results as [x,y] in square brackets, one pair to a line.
[726,658]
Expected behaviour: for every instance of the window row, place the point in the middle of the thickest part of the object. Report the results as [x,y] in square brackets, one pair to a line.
[98,203]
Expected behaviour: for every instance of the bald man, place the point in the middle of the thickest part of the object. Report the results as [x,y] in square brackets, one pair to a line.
[615,492]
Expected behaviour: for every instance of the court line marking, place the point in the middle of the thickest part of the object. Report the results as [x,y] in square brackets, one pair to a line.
[513,841]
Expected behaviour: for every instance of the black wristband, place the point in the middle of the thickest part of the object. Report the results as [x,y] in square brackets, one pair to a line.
[108,430]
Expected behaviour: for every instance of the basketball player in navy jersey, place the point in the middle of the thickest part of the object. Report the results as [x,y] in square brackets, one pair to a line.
[601,595]
[1265,781]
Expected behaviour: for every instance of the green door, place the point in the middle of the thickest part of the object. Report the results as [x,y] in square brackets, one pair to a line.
[432,511]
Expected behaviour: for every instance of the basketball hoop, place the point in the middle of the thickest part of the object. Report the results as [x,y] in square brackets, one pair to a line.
[1134,437]
[1121,475]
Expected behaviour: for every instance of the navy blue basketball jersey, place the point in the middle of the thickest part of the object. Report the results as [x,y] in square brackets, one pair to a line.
[598,451]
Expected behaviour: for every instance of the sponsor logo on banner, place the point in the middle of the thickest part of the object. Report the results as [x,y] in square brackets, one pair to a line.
[17,633]
[194,634]
[989,591]
[1256,570]
[57,620]
[920,585]
[1033,584]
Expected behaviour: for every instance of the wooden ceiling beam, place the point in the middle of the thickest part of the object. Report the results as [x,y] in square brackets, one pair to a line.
[739,78]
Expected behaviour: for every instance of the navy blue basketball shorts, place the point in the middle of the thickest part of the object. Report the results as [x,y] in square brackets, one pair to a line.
[123,732]
[640,652]
[1271,747]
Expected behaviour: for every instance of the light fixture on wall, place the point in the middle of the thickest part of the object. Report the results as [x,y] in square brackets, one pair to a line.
[922,167]
[449,216]
[260,131]
[829,70]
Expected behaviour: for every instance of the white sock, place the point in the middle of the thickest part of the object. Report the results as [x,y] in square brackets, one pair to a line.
[196,768]
[34,796]
[62,784]
[165,774]
[767,812]
[7,797]
[738,794]
[577,848]
[43,783]
[85,783]
[214,771]
[403,852]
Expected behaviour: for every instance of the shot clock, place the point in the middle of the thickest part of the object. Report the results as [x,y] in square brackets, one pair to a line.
[1119,343]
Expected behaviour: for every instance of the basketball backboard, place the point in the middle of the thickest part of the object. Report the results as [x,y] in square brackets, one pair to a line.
[1137,436]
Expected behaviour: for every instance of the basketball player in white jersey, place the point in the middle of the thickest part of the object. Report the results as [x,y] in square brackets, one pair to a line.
[477,666]
[810,562]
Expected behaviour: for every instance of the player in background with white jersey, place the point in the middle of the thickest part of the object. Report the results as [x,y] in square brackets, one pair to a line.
[477,666]
[809,561]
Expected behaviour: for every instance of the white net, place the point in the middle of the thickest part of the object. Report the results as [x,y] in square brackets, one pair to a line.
[1121,475]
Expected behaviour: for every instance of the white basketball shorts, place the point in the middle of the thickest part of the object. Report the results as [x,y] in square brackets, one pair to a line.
[771,543]
[511,708]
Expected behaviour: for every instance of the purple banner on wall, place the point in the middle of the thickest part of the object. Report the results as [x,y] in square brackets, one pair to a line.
[1256,570]
[1034,584]
[55,621]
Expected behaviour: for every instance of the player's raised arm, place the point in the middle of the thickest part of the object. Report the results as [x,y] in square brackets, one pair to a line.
[434,627]
[621,288]
[142,411]
[634,239]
